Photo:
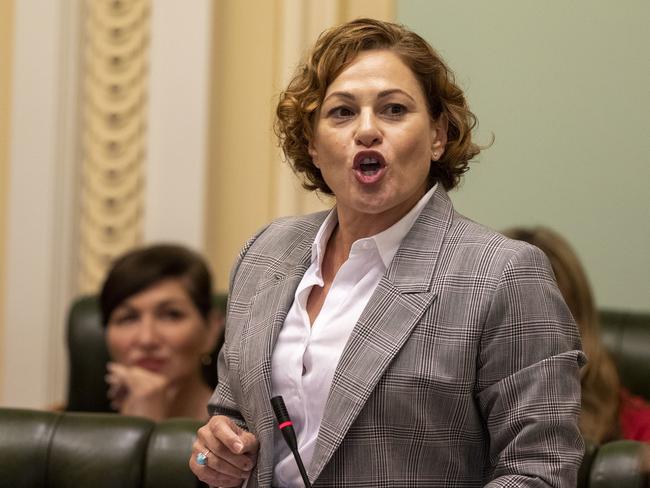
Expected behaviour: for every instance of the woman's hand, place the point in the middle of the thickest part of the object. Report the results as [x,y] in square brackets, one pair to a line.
[231,453]
[138,391]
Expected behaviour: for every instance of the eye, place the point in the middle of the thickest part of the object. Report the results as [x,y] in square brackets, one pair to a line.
[394,110]
[341,112]
[172,314]
[123,318]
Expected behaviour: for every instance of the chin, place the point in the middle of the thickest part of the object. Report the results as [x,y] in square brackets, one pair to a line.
[377,204]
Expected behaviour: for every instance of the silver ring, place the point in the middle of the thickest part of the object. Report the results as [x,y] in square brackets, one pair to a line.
[202,458]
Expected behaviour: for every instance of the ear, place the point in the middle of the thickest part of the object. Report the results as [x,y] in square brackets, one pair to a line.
[313,153]
[439,136]
[216,323]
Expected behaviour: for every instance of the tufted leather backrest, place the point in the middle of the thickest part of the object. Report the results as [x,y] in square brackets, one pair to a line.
[627,337]
[617,464]
[98,450]
[88,355]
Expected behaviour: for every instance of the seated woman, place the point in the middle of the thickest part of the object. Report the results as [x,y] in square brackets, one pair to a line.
[156,306]
[609,411]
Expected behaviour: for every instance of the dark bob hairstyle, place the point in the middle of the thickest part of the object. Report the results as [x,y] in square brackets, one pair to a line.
[142,268]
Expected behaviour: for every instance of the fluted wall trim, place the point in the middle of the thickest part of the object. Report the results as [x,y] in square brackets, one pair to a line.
[114,114]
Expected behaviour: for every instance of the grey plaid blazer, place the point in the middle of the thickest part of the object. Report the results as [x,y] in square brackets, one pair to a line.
[462,371]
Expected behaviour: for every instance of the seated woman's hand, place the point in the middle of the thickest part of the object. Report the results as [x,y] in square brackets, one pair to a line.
[229,453]
[137,391]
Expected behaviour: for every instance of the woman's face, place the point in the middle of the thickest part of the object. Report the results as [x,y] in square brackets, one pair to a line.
[161,330]
[374,138]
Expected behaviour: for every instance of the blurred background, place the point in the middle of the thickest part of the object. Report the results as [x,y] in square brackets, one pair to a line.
[125,122]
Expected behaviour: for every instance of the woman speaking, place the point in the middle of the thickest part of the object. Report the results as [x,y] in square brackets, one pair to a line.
[412,346]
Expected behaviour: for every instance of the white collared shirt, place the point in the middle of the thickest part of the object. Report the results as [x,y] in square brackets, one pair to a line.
[305,355]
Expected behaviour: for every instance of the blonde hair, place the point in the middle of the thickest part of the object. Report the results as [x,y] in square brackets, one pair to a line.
[600,383]
[334,50]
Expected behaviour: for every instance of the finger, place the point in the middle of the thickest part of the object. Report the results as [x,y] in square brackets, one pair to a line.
[213,460]
[118,374]
[113,380]
[226,431]
[223,467]
[139,380]
[116,368]
[251,444]
[144,378]
[212,477]
[215,470]
[241,463]
[116,392]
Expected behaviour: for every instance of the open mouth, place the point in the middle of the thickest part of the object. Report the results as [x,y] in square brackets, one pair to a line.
[369,166]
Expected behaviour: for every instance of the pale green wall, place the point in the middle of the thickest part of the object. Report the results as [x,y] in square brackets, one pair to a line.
[565,88]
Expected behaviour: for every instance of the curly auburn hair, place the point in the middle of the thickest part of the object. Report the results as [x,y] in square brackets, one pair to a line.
[335,49]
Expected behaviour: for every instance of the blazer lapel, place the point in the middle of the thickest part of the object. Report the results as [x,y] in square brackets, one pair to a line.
[268,310]
[399,301]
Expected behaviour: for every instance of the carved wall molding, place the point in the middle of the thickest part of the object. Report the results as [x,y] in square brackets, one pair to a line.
[114,114]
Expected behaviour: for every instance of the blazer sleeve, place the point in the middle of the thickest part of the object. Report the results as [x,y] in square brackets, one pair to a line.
[528,378]
[223,400]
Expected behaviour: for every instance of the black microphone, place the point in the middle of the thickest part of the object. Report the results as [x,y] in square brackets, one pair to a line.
[286,427]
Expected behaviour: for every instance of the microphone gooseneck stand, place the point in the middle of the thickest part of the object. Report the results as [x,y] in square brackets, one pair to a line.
[286,427]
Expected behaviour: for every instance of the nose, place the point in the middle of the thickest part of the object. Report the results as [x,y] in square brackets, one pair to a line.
[147,333]
[368,133]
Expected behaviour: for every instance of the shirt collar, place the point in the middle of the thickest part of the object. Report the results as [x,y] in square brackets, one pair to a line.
[387,242]
[324,233]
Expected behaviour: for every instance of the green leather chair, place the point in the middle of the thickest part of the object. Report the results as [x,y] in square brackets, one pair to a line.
[627,337]
[98,450]
[623,464]
[105,450]
[616,464]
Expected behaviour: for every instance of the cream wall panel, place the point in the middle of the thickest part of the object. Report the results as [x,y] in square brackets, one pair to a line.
[254,57]
[6,47]
[240,181]
[300,22]
[178,121]
[378,9]
[564,86]
[40,201]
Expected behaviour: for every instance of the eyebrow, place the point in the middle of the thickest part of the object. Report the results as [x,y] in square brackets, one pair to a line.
[382,94]
[175,301]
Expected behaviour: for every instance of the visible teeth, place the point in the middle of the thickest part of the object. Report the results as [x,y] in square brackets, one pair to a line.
[369,165]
